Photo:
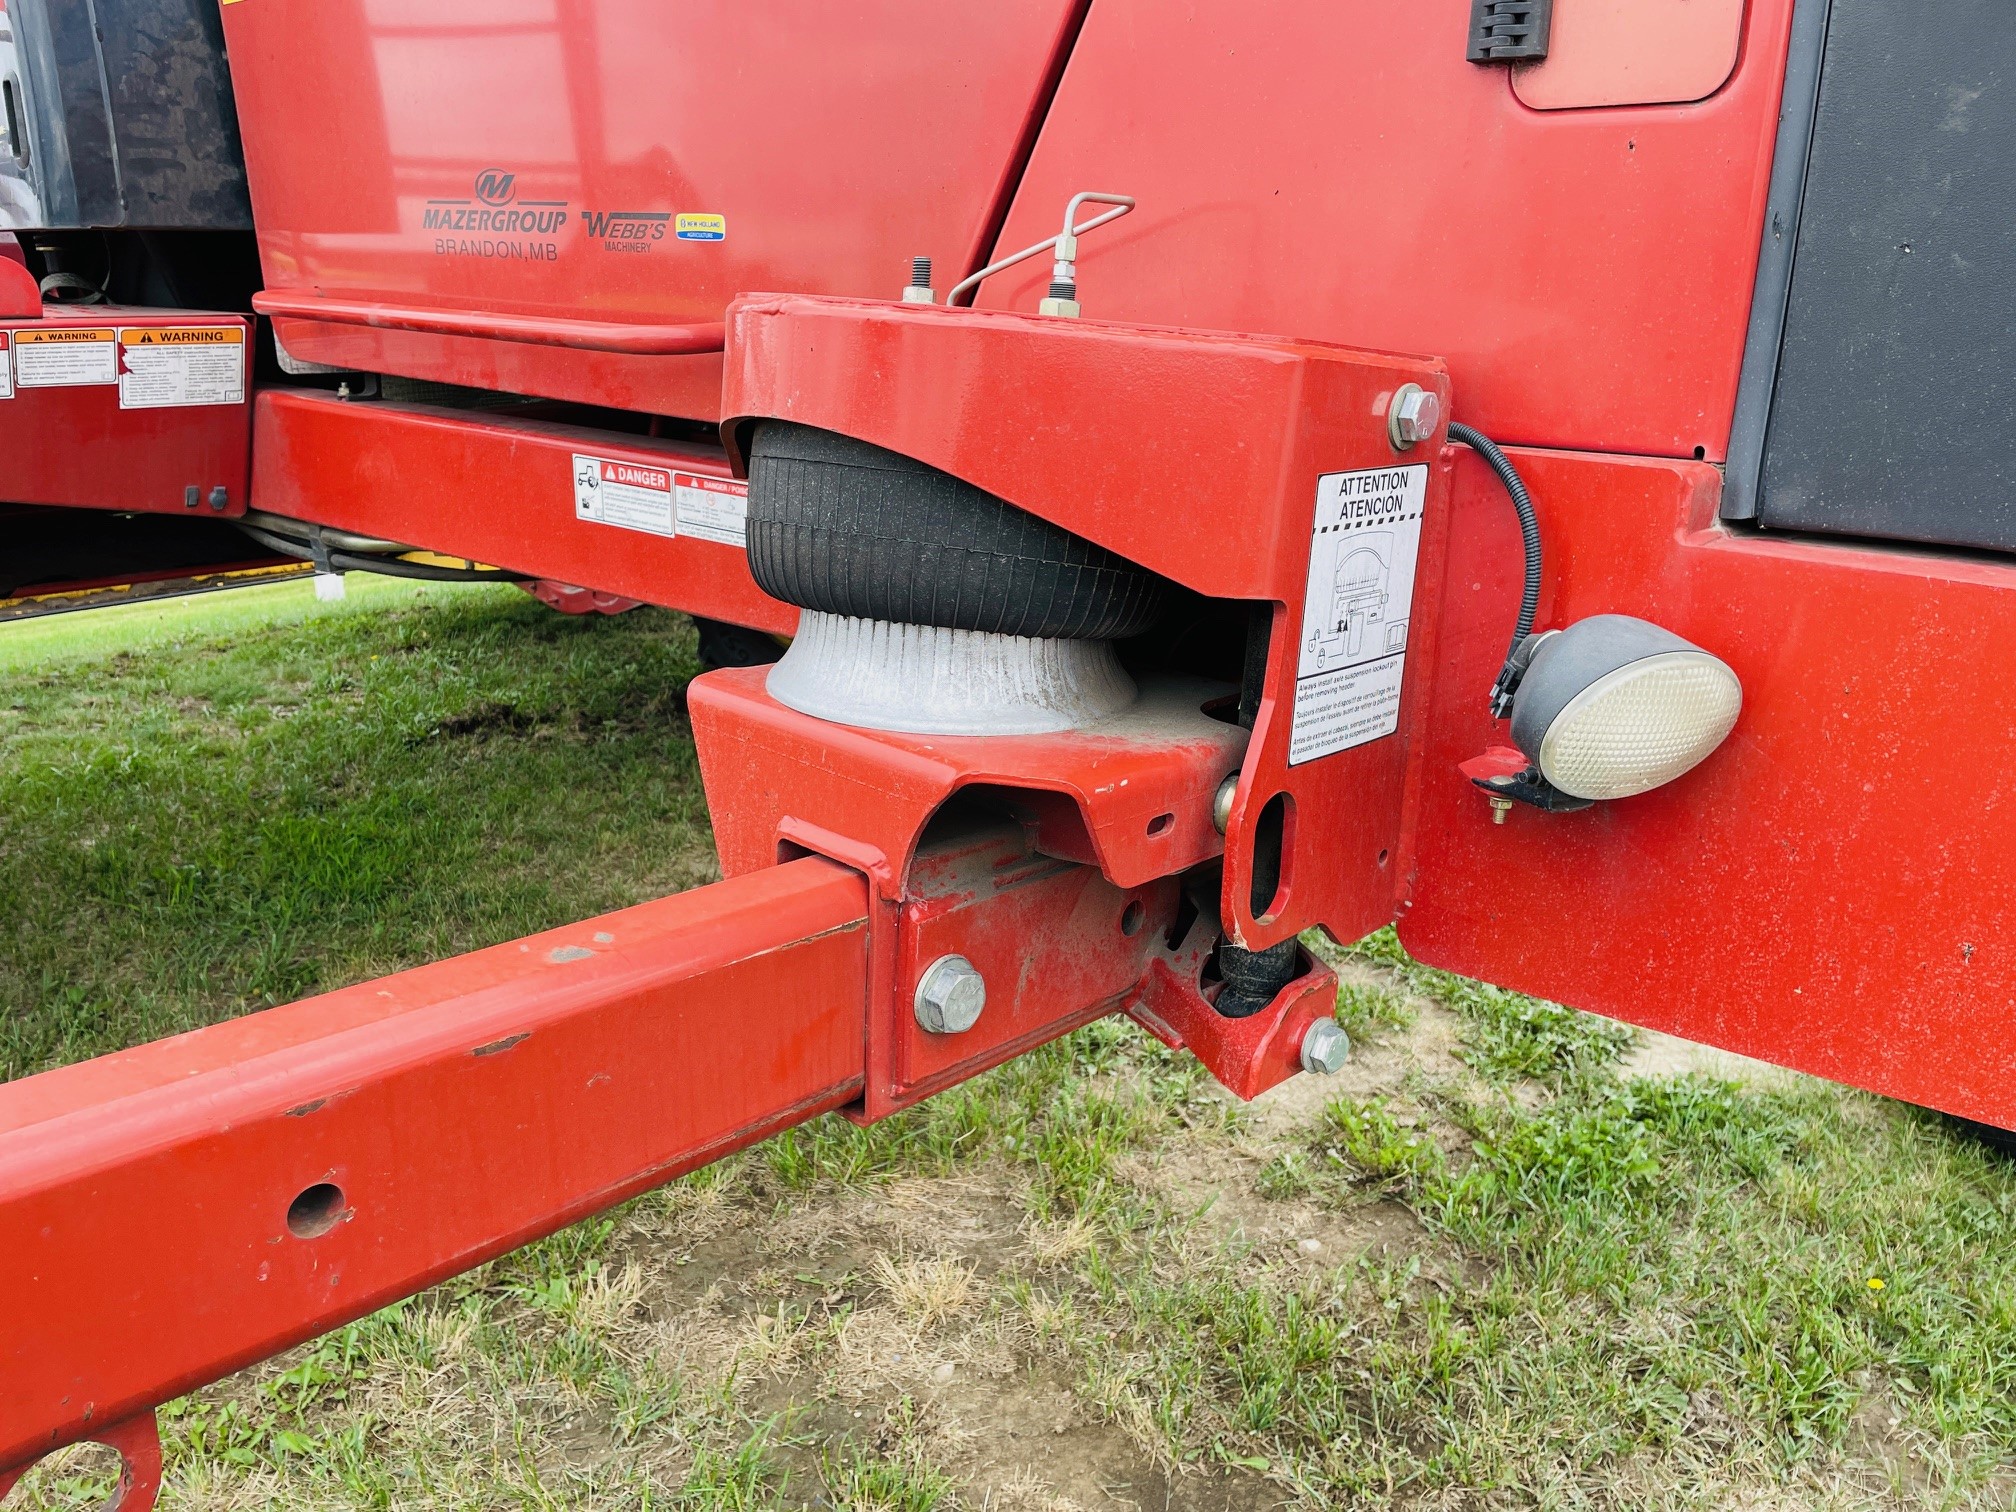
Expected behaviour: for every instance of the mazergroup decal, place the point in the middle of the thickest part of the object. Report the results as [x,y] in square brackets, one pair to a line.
[496,187]
[626,230]
[494,222]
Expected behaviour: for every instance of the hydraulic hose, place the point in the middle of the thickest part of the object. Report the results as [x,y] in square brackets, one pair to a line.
[387,566]
[1529,534]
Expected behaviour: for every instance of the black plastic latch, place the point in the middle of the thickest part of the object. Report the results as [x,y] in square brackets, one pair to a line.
[1509,31]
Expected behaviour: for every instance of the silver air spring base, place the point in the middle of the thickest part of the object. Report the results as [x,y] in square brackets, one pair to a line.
[930,681]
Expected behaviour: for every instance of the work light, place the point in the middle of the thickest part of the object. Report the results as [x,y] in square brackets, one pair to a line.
[1613,706]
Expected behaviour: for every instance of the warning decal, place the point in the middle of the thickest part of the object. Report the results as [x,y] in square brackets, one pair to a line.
[162,367]
[64,356]
[713,509]
[6,368]
[625,494]
[1360,597]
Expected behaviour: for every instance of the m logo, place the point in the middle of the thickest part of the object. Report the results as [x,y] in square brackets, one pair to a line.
[496,187]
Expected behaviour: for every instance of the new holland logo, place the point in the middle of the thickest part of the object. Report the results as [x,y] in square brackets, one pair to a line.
[496,187]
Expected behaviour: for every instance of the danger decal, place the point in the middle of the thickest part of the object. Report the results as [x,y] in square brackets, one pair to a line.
[712,509]
[624,494]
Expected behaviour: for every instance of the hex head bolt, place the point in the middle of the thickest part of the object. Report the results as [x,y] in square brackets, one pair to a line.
[950,995]
[1325,1048]
[1413,417]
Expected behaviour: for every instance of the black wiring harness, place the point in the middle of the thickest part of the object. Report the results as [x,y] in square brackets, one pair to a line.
[333,559]
[1529,533]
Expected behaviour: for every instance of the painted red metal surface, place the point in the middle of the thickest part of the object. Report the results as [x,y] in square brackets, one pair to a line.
[137,1442]
[1621,52]
[76,444]
[1074,421]
[537,165]
[1126,802]
[1133,801]
[1247,1055]
[290,1170]
[496,490]
[1833,889]
[20,294]
[1137,788]
[1341,172]
[294,1169]
[1057,944]
[571,600]
[633,339]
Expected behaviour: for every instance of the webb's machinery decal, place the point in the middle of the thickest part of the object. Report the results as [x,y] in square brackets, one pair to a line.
[493,220]
[626,230]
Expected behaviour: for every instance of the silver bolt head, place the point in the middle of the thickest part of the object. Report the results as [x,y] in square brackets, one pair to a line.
[950,995]
[1414,416]
[1325,1048]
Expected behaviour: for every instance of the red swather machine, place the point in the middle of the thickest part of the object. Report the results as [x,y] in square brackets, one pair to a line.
[1148,609]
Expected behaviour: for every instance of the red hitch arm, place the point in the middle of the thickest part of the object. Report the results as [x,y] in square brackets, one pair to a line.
[174,1212]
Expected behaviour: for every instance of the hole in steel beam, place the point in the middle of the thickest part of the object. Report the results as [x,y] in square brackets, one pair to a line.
[316,1211]
[1159,825]
[1131,917]
[1271,856]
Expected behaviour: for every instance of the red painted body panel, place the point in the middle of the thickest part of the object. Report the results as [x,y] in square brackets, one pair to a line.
[1341,172]
[1834,889]
[499,491]
[75,445]
[530,159]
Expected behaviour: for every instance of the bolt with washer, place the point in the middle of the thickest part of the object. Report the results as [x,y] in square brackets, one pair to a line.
[1325,1048]
[950,995]
[1412,417]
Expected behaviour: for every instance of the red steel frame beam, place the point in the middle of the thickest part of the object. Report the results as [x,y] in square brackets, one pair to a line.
[174,1212]
[497,490]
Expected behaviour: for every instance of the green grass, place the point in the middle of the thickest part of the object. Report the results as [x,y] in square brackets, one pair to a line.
[1595,1289]
[209,812]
